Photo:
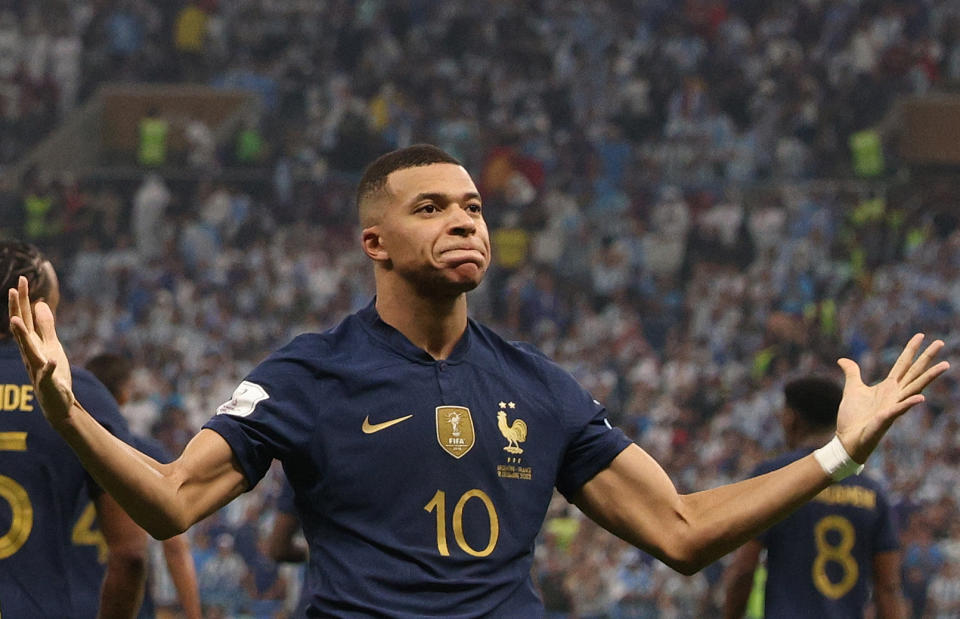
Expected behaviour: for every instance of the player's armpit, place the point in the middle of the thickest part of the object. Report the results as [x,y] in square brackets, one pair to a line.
[123,582]
[281,544]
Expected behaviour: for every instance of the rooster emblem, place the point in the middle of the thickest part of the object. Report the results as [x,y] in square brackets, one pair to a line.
[515,434]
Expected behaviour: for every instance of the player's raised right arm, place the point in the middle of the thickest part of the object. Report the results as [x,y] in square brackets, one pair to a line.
[164,499]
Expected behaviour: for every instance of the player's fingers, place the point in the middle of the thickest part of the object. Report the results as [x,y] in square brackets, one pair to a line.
[45,378]
[28,352]
[13,302]
[906,357]
[26,311]
[924,361]
[903,406]
[920,383]
[851,371]
[45,325]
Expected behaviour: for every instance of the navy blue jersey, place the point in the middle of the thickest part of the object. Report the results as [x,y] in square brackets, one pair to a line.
[820,559]
[88,553]
[420,484]
[41,483]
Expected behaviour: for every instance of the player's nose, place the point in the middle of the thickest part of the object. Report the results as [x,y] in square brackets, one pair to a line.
[461,222]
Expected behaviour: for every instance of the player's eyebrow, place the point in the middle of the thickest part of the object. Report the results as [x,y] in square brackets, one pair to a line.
[442,197]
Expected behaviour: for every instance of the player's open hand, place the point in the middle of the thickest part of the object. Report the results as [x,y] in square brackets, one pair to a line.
[866,413]
[42,353]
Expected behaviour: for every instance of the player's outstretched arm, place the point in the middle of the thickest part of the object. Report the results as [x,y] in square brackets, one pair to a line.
[164,499]
[635,499]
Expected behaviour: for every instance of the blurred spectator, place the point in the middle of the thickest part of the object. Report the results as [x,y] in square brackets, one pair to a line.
[224,579]
[154,130]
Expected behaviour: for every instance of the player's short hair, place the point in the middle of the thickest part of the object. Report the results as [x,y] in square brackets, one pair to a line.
[815,399]
[111,370]
[375,175]
[19,258]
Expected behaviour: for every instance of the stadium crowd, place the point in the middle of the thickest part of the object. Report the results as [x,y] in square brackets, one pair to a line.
[681,213]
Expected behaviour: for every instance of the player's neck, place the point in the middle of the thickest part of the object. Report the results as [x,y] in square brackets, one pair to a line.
[433,324]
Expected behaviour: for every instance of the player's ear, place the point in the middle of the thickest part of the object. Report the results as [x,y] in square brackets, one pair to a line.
[373,244]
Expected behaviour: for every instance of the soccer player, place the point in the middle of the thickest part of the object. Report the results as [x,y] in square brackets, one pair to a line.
[42,481]
[423,449]
[115,374]
[823,560]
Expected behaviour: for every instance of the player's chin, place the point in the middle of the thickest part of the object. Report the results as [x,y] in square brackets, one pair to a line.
[469,271]
[462,277]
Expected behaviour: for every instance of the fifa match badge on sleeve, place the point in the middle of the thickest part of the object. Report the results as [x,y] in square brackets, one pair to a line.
[245,398]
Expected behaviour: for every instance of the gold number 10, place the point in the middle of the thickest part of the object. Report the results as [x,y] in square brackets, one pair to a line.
[439,503]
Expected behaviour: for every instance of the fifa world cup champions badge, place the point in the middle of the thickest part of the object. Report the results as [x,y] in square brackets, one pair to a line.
[455,430]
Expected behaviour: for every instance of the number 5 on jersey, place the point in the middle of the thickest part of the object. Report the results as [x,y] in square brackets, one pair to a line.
[21,510]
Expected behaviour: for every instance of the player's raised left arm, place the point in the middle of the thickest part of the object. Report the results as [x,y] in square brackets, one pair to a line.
[635,499]
[164,499]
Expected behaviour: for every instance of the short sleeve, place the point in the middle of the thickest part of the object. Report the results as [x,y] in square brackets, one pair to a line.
[593,443]
[270,415]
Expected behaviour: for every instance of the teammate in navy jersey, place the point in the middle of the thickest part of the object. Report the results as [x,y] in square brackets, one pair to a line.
[423,449]
[42,481]
[87,560]
[825,558]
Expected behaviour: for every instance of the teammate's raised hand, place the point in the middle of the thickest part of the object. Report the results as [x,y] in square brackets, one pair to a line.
[867,412]
[43,355]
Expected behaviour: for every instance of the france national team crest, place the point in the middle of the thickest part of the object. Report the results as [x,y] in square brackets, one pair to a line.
[514,431]
[455,430]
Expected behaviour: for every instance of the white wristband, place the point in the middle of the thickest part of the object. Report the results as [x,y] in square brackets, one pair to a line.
[835,460]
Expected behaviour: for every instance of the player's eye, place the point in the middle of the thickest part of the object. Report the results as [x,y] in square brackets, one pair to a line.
[475,208]
[428,209]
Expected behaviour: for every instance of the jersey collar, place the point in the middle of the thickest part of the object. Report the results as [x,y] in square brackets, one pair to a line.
[399,343]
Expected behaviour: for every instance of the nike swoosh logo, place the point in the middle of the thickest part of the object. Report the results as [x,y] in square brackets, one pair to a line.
[370,428]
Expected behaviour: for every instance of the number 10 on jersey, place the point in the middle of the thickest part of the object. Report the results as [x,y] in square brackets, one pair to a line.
[438,504]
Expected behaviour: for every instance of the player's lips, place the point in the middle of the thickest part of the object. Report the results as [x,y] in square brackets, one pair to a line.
[464,254]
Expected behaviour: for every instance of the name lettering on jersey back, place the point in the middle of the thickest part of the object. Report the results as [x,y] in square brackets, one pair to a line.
[855,496]
[16,398]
